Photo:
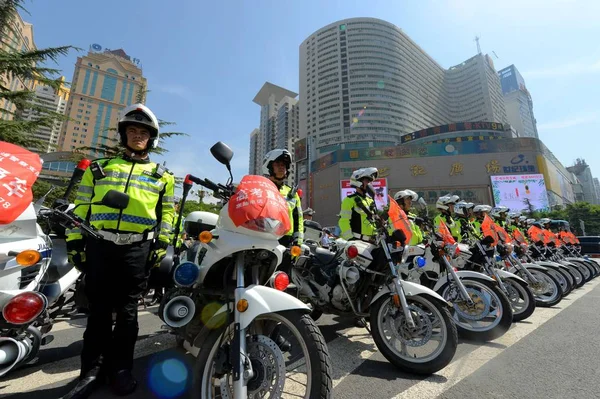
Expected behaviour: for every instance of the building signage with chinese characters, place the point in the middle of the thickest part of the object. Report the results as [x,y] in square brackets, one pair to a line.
[453,127]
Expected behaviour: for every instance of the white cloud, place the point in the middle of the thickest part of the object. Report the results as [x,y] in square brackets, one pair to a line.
[174,89]
[578,68]
[570,121]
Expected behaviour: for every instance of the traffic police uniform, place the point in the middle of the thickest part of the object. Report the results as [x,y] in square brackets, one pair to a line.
[354,221]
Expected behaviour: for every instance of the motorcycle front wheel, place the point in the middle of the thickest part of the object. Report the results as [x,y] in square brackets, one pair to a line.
[488,317]
[424,349]
[548,290]
[521,298]
[286,350]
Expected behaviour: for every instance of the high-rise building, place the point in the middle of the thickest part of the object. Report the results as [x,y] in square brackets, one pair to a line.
[20,37]
[53,101]
[255,158]
[365,83]
[584,175]
[518,103]
[279,124]
[104,82]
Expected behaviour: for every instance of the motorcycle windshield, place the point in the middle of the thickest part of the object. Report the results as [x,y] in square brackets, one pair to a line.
[257,205]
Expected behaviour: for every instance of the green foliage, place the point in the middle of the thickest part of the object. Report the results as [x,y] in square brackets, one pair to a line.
[193,206]
[573,213]
[27,66]
[41,187]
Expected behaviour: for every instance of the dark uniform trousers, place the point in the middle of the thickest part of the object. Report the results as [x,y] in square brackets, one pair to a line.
[116,277]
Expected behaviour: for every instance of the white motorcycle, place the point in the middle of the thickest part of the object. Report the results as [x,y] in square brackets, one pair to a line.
[25,253]
[251,340]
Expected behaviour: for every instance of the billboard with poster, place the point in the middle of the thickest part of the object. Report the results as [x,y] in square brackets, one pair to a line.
[516,191]
[381,191]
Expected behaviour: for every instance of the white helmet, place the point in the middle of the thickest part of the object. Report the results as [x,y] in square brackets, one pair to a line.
[544,221]
[498,211]
[139,114]
[358,175]
[530,222]
[198,221]
[443,202]
[462,208]
[276,155]
[522,219]
[514,215]
[406,193]
[482,208]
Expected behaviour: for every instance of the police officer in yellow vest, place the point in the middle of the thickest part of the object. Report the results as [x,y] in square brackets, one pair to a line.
[405,198]
[445,205]
[354,221]
[117,266]
[276,166]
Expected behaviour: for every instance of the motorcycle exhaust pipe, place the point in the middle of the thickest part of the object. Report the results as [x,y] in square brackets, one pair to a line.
[13,352]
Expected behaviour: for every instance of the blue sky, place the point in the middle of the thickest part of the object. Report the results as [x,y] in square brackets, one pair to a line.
[205,61]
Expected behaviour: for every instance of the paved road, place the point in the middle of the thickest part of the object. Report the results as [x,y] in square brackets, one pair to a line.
[553,354]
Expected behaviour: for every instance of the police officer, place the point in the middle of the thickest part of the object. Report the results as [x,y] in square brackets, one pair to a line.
[405,198]
[356,208]
[276,166]
[445,205]
[134,240]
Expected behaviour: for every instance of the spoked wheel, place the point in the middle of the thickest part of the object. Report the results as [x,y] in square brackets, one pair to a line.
[423,349]
[287,354]
[577,276]
[520,297]
[488,315]
[547,289]
[564,278]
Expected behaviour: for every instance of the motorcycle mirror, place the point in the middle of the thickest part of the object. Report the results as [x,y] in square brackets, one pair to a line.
[115,199]
[222,153]
[371,190]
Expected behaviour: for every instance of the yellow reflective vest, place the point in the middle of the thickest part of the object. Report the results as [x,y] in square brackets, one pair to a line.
[295,211]
[151,198]
[453,225]
[353,219]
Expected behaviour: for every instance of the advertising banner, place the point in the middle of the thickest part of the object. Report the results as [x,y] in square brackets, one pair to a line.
[518,191]
[381,191]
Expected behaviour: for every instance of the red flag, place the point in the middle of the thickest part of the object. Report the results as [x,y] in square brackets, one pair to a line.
[519,237]
[258,205]
[19,168]
[502,233]
[488,227]
[399,219]
[445,233]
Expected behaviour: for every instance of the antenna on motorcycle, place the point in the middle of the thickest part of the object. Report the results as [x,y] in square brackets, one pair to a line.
[38,204]
[187,185]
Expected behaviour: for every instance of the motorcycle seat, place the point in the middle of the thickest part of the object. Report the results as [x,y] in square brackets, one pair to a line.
[323,256]
[59,262]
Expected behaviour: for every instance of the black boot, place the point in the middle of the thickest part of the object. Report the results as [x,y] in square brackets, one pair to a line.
[86,385]
[123,383]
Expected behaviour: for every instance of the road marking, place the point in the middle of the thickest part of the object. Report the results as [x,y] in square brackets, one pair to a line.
[445,379]
[348,351]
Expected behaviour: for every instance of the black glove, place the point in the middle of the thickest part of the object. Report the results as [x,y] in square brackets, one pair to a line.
[76,254]
[419,221]
[159,251]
